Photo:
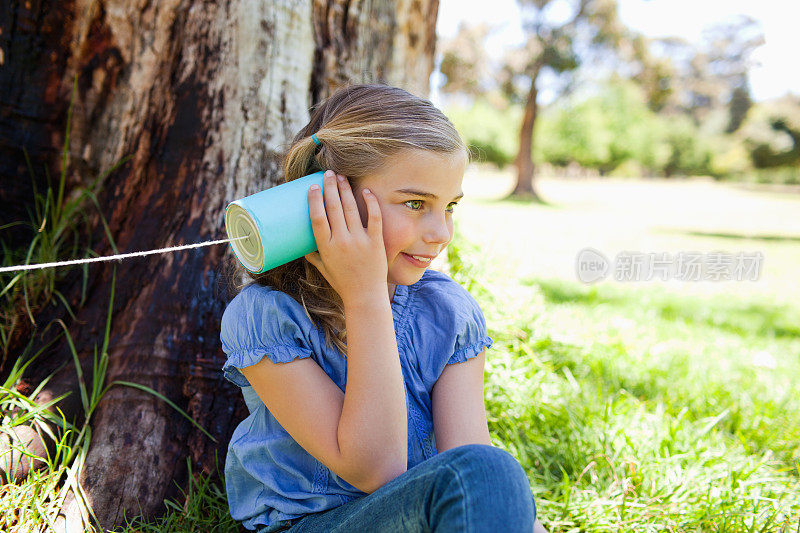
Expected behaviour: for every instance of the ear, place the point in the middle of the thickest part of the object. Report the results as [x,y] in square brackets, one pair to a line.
[315,259]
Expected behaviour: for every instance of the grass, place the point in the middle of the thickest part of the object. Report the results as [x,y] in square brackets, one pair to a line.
[204,509]
[628,418]
[631,407]
[37,500]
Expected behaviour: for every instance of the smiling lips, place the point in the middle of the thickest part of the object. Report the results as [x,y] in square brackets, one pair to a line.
[418,260]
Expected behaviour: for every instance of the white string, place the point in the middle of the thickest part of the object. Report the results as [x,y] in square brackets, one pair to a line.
[119,256]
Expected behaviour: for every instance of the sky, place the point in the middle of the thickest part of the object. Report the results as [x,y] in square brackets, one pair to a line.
[778,67]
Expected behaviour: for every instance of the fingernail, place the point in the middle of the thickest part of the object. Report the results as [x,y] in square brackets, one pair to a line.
[367,191]
[328,173]
[340,178]
[314,187]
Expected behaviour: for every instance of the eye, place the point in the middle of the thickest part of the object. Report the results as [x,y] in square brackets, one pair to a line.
[453,204]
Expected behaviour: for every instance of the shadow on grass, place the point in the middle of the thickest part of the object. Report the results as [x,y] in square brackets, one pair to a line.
[750,318]
[743,318]
[559,291]
[518,200]
[736,236]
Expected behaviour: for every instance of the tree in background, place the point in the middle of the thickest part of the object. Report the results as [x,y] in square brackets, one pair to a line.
[614,131]
[554,42]
[730,46]
[772,134]
[651,72]
[465,63]
[603,131]
[698,79]
[691,114]
[469,77]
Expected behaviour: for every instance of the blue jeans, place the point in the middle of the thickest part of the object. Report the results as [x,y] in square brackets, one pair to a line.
[470,488]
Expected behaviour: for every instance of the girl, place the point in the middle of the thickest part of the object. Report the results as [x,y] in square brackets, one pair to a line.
[362,370]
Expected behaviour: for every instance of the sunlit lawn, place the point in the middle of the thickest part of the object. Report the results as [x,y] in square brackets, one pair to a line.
[658,406]
[615,215]
[642,406]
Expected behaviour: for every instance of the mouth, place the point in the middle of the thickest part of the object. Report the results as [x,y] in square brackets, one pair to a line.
[416,262]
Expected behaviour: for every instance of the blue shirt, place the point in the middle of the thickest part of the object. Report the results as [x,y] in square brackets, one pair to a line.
[268,476]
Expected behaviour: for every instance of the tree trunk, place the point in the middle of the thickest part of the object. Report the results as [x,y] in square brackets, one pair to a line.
[524,160]
[31,108]
[205,97]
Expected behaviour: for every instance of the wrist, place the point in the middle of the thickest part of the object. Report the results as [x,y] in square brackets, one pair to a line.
[369,297]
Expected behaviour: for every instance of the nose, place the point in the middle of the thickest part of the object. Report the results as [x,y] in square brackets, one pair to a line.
[438,231]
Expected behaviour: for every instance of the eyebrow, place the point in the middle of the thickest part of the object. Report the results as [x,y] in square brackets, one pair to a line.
[414,192]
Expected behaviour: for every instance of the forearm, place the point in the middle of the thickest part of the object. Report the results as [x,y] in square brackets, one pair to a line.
[373,427]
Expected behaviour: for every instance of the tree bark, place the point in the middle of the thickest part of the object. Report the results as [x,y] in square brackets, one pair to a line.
[204,97]
[33,56]
[524,160]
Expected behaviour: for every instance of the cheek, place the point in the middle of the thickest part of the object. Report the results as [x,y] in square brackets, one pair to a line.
[398,232]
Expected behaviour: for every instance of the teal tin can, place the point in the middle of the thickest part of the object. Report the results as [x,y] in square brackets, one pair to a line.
[276,223]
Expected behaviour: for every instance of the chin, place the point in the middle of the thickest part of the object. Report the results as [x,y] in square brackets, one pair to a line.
[406,278]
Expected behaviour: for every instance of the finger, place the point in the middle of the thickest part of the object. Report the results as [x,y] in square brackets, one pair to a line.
[333,205]
[319,220]
[349,206]
[374,218]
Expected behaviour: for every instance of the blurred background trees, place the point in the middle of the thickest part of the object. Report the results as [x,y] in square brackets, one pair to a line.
[625,104]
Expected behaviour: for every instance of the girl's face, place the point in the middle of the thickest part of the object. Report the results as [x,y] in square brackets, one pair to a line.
[418,221]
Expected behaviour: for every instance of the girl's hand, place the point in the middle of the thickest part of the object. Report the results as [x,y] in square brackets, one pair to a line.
[350,257]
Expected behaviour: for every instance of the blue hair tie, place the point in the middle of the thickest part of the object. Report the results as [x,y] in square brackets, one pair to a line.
[316,141]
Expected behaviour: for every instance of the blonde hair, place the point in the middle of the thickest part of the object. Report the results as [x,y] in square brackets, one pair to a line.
[359,127]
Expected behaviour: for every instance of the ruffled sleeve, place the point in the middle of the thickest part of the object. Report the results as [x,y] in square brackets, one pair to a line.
[471,335]
[449,325]
[261,322]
